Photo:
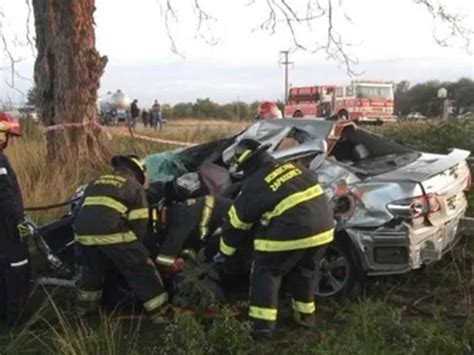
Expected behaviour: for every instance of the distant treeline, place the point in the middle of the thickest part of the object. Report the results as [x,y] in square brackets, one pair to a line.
[207,109]
[423,97]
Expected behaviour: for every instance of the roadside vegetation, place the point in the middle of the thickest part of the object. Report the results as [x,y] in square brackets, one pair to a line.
[430,311]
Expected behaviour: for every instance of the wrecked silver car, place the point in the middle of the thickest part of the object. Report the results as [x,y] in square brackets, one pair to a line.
[396,209]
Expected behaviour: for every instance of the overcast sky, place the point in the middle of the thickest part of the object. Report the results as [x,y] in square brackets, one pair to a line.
[393,40]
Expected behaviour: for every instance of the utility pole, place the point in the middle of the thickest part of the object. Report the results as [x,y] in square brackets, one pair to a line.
[284,59]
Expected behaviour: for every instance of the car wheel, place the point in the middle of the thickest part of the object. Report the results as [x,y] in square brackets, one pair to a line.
[298,114]
[340,274]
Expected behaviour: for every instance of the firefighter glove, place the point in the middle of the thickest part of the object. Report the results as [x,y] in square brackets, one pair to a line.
[219,259]
[24,230]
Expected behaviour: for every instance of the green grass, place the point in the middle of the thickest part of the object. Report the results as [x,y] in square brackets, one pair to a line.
[428,311]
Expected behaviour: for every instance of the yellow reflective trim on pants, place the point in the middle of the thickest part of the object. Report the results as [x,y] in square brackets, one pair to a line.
[303,307]
[89,296]
[268,314]
[155,302]
[226,249]
[292,201]
[106,239]
[165,260]
[106,202]
[139,213]
[294,244]
[236,222]
[206,216]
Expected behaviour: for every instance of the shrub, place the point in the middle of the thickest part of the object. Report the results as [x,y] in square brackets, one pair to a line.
[184,336]
[229,336]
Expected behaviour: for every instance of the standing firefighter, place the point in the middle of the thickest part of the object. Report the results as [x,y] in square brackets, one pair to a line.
[291,219]
[110,228]
[15,270]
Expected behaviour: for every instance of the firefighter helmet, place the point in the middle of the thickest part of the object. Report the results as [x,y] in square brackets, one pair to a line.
[246,150]
[268,110]
[133,163]
[9,124]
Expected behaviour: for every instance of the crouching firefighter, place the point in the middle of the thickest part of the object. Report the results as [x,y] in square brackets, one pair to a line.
[187,227]
[15,269]
[292,223]
[110,228]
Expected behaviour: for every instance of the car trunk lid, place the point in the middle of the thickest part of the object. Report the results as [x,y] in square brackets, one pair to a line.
[443,179]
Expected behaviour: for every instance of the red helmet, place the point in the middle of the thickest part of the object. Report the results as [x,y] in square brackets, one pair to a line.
[9,124]
[267,110]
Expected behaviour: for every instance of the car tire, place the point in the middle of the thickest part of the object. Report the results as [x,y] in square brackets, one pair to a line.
[341,274]
[298,114]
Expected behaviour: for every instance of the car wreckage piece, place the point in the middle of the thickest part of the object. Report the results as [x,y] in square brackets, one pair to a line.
[396,209]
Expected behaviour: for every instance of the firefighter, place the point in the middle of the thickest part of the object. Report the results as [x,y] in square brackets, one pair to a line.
[187,226]
[15,269]
[285,209]
[110,228]
[268,110]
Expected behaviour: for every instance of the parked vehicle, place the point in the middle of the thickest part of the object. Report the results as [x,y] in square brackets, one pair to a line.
[415,116]
[361,100]
[396,209]
[114,108]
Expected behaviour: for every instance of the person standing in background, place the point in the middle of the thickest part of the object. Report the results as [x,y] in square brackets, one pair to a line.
[156,115]
[146,118]
[134,112]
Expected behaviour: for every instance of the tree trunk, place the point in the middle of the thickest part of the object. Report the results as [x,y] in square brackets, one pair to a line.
[67,74]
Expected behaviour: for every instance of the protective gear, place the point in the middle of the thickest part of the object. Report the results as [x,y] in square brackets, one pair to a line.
[249,152]
[24,231]
[110,227]
[15,268]
[292,222]
[132,163]
[188,226]
[268,110]
[9,124]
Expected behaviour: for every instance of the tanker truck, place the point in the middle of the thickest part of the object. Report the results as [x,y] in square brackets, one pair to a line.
[114,108]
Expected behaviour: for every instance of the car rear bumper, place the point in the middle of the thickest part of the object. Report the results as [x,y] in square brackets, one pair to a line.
[397,250]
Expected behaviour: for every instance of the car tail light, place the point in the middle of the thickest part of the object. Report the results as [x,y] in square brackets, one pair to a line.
[414,208]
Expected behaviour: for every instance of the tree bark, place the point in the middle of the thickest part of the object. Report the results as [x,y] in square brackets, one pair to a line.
[67,75]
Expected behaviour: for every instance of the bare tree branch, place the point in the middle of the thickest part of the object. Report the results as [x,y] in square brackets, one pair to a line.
[286,13]
[453,21]
[204,22]
[29,37]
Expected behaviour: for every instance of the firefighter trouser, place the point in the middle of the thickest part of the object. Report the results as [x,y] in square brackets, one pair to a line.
[132,261]
[15,272]
[300,266]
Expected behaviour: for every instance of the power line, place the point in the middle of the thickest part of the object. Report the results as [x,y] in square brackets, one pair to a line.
[284,59]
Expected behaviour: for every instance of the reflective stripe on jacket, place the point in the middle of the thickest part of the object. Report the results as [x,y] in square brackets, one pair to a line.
[283,207]
[114,211]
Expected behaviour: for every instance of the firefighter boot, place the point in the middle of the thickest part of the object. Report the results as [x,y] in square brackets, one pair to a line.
[262,334]
[306,320]
[160,315]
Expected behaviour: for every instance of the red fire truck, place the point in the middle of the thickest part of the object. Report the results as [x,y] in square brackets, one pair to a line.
[361,100]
